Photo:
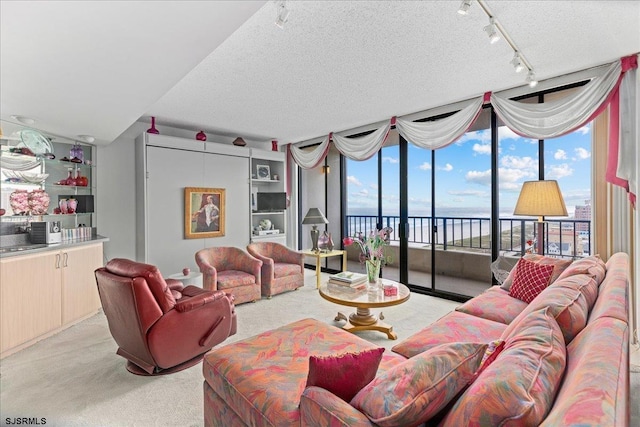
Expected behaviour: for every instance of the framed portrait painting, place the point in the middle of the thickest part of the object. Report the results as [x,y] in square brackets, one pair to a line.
[204,212]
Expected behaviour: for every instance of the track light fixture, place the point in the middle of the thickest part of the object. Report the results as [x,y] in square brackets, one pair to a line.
[464,7]
[517,62]
[531,79]
[492,31]
[282,14]
[495,31]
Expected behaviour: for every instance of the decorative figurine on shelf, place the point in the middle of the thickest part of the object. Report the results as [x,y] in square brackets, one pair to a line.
[153,129]
[274,145]
[201,136]
[76,152]
[239,142]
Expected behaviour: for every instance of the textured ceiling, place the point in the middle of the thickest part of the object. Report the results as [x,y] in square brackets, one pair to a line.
[224,67]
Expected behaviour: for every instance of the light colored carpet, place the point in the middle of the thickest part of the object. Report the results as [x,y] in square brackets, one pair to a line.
[75,378]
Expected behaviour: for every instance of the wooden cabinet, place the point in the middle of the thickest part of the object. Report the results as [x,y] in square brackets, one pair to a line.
[45,292]
[30,297]
[79,291]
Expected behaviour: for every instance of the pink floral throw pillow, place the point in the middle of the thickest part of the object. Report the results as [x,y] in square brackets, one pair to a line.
[346,374]
[530,279]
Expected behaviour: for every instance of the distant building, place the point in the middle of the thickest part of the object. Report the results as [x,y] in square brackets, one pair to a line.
[583,213]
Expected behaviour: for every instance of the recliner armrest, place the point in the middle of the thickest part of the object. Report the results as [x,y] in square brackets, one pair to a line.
[174,285]
[194,297]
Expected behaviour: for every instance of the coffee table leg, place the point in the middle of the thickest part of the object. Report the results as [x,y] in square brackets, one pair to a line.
[363,320]
[341,316]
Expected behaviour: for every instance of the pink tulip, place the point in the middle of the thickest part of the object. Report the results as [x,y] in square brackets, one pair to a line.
[347,241]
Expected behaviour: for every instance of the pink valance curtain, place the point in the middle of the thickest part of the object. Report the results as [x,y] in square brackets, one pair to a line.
[539,121]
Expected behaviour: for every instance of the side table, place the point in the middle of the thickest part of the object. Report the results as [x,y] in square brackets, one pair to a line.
[194,278]
[319,255]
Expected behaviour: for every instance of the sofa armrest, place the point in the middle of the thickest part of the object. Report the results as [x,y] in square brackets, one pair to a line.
[321,407]
[174,284]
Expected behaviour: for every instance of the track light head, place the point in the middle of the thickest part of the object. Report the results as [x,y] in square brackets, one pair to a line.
[282,14]
[517,62]
[464,7]
[531,79]
[492,31]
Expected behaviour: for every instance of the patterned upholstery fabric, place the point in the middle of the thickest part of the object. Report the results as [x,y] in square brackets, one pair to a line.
[282,268]
[520,385]
[416,390]
[529,280]
[559,265]
[244,373]
[319,407]
[592,266]
[594,388]
[494,304]
[569,301]
[454,326]
[231,269]
[613,300]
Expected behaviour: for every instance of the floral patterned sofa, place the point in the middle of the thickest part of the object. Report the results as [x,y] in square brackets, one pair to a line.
[560,359]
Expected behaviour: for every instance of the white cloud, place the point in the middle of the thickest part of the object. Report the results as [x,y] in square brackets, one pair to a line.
[391,160]
[373,186]
[468,193]
[584,129]
[363,193]
[446,168]
[559,171]
[560,155]
[425,166]
[353,180]
[582,154]
[505,133]
[519,162]
[478,177]
[479,135]
[482,148]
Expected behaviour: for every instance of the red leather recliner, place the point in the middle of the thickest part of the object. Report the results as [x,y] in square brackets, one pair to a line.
[160,326]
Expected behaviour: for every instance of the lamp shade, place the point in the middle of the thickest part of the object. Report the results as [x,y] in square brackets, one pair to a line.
[315,216]
[540,198]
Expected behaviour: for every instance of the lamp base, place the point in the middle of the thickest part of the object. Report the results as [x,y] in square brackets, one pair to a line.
[314,238]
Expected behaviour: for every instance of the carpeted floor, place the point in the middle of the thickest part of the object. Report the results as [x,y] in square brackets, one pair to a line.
[75,378]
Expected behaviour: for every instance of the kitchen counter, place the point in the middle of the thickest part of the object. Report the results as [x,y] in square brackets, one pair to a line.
[33,248]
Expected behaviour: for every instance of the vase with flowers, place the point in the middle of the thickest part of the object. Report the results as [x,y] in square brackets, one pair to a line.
[372,251]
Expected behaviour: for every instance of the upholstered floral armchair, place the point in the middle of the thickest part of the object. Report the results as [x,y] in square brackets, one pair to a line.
[282,268]
[231,270]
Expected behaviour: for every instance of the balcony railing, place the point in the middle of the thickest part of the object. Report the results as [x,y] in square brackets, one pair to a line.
[566,238]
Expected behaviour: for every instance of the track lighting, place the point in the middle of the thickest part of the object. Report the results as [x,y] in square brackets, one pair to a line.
[464,7]
[282,14]
[492,31]
[517,62]
[531,79]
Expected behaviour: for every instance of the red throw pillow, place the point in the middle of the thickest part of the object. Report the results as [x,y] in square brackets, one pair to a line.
[344,375]
[493,350]
[530,279]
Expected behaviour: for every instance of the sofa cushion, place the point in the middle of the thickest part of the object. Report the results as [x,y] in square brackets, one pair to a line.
[345,374]
[521,383]
[591,265]
[420,387]
[452,327]
[494,304]
[529,280]
[569,300]
[559,265]
[595,384]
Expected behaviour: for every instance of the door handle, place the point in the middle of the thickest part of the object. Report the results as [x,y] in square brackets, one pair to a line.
[66,258]
[57,260]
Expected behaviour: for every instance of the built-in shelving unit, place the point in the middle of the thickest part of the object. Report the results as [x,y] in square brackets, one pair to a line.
[267,176]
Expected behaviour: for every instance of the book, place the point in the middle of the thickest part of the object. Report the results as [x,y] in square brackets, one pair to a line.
[348,278]
[353,286]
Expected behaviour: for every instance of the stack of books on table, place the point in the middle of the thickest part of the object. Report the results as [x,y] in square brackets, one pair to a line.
[349,279]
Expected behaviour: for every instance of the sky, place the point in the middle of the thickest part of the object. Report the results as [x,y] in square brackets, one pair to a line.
[463,174]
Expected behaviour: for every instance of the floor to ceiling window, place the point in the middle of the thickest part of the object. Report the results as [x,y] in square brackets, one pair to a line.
[457,196]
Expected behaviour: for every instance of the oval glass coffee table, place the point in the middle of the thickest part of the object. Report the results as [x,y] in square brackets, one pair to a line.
[364,300]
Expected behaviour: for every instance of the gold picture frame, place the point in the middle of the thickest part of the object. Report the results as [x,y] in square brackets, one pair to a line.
[204,212]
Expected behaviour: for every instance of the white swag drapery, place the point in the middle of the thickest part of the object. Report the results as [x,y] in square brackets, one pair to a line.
[539,121]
